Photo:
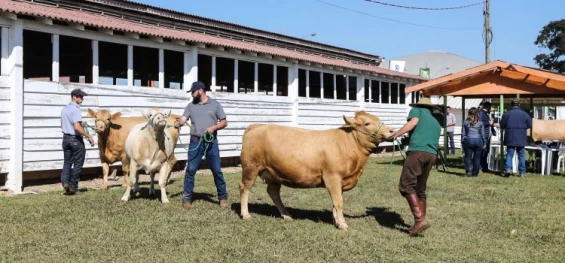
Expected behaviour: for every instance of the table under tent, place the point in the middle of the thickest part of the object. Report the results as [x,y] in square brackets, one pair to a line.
[497,81]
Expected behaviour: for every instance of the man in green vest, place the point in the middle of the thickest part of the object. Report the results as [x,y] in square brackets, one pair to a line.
[424,131]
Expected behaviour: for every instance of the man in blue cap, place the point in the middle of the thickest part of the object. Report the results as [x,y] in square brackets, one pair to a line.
[73,144]
[207,117]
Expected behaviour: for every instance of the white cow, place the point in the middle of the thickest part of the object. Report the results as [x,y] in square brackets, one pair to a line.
[149,146]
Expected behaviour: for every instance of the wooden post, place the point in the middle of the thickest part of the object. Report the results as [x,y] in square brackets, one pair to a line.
[445,148]
[361,91]
[190,67]
[235,76]
[16,79]
[55,61]
[335,87]
[501,162]
[161,68]
[5,52]
[321,85]
[130,66]
[346,87]
[370,91]
[275,80]
[307,83]
[95,63]
[214,72]
[256,78]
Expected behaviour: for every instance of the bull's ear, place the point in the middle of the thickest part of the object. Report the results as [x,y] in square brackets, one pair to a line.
[91,113]
[349,121]
[116,116]
[146,114]
[169,113]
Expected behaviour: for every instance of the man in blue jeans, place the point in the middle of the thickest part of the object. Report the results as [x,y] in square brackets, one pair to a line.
[515,122]
[73,143]
[207,117]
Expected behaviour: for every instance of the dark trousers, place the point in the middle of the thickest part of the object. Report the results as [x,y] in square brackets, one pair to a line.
[473,152]
[74,153]
[451,142]
[415,173]
[484,156]
[195,153]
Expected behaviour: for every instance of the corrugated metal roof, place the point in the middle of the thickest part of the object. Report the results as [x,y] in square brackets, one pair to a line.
[101,21]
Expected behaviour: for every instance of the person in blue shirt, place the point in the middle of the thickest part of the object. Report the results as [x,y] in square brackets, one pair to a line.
[474,139]
[73,144]
[515,122]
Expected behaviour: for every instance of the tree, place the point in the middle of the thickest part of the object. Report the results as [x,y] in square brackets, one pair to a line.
[552,37]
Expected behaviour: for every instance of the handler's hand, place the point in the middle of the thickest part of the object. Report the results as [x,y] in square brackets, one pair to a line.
[210,129]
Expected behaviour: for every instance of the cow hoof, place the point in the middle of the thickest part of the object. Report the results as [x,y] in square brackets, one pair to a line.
[343,226]
[246,217]
[165,202]
[287,218]
[137,194]
[125,199]
[104,188]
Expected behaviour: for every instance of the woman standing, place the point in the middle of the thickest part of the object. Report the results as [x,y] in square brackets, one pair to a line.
[474,141]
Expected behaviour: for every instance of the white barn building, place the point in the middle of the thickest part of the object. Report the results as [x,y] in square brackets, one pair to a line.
[130,57]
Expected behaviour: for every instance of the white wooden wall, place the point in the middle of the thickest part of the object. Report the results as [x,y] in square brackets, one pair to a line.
[4,124]
[43,102]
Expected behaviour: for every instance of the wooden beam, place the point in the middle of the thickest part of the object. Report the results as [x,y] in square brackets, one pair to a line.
[339,68]
[220,48]
[349,70]
[280,58]
[307,63]
[132,35]
[318,65]
[77,26]
[233,50]
[109,32]
[179,42]
[157,39]
[268,56]
[10,16]
[295,61]
[251,53]
[44,20]
[199,45]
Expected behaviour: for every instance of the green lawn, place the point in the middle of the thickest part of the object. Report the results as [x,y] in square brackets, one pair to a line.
[487,219]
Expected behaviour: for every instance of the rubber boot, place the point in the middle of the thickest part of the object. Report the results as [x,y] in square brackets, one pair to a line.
[418,210]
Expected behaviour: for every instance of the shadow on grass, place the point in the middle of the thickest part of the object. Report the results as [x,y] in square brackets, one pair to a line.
[383,216]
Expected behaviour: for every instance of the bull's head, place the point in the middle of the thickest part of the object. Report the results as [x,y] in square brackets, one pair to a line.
[371,127]
[157,118]
[102,119]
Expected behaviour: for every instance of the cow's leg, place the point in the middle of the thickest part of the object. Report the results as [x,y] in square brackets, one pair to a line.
[133,167]
[334,188]
[125,171]
[274,190]
[164,174]
[105,172]
[152,184]
[114,173]
[248,177]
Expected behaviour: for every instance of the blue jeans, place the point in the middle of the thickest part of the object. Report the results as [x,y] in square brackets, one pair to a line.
[195,154]
[451,142]
[473,151]
[74,153]
[521,159]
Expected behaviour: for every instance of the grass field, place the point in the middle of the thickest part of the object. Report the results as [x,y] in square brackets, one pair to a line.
[487,219]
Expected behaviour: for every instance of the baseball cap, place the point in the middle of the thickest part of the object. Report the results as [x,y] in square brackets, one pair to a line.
[78,92]
[196,86]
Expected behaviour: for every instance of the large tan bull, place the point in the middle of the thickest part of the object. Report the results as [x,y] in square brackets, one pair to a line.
[112,130]
[150,148]
[300,158]
[548,130]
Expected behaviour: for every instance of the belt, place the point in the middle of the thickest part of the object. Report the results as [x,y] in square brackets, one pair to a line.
[68,134]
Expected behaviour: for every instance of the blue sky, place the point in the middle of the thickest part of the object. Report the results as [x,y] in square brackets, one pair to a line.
[515,26]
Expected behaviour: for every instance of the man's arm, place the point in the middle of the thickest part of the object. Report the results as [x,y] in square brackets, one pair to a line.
[184,118]
[80,129]
[221,115]
[528,121]
[410,125]
[454,119]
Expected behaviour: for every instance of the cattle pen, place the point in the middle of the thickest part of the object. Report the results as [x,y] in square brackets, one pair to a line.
[131,57]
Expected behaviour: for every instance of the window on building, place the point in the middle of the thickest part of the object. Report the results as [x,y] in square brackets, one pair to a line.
[113,63]
[38,55]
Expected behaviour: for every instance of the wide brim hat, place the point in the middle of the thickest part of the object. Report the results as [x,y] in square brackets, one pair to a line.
[425,103]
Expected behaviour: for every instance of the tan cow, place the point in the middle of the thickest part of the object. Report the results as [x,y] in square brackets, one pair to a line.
[301,158]
[548,130]
[150,147]
[112,130]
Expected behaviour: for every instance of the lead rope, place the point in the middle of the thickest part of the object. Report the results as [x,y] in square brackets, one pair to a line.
[394,144]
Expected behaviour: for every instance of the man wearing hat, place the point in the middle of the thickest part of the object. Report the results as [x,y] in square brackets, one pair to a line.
[515,122]
[207,117]
[424,131]
[73,144]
